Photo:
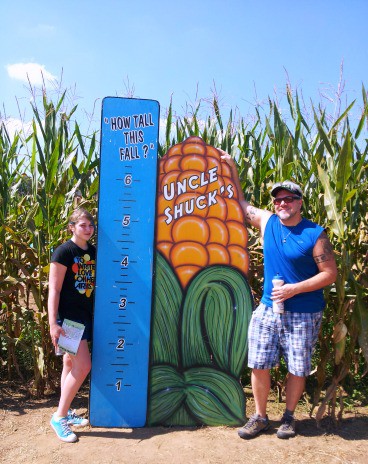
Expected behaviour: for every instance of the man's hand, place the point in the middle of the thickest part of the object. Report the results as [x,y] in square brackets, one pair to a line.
[284,292]
[227,158]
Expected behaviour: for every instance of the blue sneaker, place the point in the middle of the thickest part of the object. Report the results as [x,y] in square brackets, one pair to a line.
[62,429]
[75,420]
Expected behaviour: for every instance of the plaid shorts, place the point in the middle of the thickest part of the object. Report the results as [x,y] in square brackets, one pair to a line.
[291,335]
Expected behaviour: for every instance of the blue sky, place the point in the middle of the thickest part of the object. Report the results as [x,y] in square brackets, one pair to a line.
[244,50]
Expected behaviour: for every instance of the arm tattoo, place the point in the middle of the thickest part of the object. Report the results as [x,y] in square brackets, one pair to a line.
[251,213]
[327,254]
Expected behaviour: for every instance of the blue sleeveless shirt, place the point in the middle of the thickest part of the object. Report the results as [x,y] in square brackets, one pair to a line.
[293,259]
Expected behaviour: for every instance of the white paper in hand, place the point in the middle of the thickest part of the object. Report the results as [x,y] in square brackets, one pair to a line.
[73,335]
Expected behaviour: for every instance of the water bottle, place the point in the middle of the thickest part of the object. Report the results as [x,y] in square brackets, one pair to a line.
[278,281]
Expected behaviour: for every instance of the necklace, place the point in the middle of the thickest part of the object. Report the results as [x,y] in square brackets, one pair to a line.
[284,237]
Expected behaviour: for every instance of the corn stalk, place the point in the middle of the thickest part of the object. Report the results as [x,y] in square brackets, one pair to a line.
[55,166]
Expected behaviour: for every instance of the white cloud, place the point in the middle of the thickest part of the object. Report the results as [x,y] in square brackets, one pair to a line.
[14,126]
[34,72]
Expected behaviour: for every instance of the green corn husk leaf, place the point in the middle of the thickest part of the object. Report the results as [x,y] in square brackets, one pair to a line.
[230,352]
[214,397]
[181,417]
[339,336]
[340,350]
[340,331]
[216,315]
[166,394]
[166,314]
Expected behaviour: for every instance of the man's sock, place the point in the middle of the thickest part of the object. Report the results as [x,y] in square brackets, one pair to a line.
[288,413]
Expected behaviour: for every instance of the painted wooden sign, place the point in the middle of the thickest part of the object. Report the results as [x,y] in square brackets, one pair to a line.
[203,302]
[125,261]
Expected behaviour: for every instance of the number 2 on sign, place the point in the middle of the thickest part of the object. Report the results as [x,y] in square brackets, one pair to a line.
[121,343]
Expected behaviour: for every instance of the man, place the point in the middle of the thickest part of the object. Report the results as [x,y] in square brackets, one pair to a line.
[298,250]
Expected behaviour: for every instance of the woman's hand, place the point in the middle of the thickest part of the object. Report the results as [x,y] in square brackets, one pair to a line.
[55,332]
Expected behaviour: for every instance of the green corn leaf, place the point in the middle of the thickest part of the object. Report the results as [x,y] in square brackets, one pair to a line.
[218,114]
[168,125]
[216,314]
[343,115]
[334,216]
[40,125]
[291,102]
[80,140]
[165,315]
[94,187]
[214,397]
[300,115]
[60,102]
[323,135]
[166,393]
[52,167]
[364,115]
[343,171]
[181,417]
[40,151]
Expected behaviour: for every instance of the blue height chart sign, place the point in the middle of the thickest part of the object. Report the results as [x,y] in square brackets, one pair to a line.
[125,258]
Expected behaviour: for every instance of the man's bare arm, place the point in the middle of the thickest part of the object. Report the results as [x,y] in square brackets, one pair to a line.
[325,250]
[254,216]
[325,260]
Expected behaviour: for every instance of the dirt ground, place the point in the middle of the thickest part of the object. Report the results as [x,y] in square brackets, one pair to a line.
[26,437]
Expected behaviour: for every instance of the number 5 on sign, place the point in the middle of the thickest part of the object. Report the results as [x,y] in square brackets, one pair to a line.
[125,254]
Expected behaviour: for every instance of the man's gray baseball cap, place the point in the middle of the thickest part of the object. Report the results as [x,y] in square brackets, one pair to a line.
[287,185]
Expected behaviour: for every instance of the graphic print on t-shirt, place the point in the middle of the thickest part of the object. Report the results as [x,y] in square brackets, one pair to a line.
[84,268]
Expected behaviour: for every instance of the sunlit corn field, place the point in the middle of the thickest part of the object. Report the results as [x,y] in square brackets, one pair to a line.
[46,173]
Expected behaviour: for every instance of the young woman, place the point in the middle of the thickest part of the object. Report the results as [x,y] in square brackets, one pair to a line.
[71,285]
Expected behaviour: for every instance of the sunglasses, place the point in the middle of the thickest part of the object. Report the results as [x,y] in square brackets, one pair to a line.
[288,199]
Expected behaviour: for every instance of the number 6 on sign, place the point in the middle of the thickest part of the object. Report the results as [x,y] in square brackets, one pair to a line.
[125,253]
